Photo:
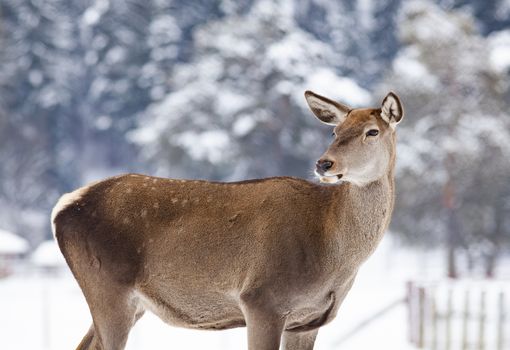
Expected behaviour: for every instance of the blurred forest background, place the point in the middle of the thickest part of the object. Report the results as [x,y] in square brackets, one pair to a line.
[213,89]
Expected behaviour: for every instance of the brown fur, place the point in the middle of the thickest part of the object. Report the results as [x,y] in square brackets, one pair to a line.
[278,255]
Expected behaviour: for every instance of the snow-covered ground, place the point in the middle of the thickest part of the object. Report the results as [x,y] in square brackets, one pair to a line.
[11,243]
[49,312]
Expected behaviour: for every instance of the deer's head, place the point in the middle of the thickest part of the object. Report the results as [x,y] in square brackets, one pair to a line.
[364,139]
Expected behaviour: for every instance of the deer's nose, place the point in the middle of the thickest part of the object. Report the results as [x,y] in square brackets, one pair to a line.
[324,165]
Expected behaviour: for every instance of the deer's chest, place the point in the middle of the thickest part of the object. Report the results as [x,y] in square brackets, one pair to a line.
[319,311]
[312,316]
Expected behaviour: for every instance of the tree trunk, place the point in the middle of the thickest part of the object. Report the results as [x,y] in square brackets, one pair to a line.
[491,261]
[452,262]
[452,229]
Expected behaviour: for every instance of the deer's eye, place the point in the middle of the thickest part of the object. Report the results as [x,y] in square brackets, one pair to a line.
[372,132]
[333,134]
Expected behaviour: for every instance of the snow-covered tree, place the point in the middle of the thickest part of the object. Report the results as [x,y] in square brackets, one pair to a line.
[74,77]
[37,79]
[237,109]
[453,149]
[214,89]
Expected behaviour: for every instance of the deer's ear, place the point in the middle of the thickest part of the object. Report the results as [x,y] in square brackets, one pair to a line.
[326,110]
[391,110]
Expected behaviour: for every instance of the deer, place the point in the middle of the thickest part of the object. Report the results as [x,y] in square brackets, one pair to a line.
[275,255]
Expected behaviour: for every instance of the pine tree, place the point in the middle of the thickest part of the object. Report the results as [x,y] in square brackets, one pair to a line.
[242,92]
[451,154]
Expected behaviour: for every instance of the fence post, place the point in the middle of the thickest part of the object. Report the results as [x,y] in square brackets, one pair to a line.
[481,334]
[411,312]
[501,321]
[421,317]
[434,315]
[448,319]
[465,320]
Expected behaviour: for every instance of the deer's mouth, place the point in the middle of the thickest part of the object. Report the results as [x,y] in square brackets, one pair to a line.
[329,179]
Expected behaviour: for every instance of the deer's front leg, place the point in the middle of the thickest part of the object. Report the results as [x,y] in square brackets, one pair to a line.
[264,324]
[299,341]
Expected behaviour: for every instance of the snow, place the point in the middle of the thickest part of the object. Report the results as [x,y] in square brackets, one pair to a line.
[209,145]
[35,77]
[143,135]
[230,102]
[499,56]
[226,42]
[11,243]
[93,14]
[366,9]
[503,10]
[91,58]
[47,254]
[98,87]
[116,55]
[325,82]
[408,66]
[270,10]
[432,24]
[243,125]
[165,30]
[288,52]
[47,305]
[103,122]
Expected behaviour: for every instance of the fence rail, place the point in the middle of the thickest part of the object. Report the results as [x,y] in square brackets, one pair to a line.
[459,315]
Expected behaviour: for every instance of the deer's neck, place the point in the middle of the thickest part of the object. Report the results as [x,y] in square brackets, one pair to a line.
[361,215]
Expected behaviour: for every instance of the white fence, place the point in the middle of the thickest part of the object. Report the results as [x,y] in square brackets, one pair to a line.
[459,315]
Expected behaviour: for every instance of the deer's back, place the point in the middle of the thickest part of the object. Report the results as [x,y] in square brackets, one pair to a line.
[208,229]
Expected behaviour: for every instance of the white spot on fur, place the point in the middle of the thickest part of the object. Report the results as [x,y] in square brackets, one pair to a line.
[143,213]
[156,205]
[154,180]
[126,221]
[184,201]
[174,200]
[65,201]
[129,190]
